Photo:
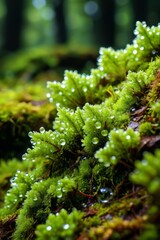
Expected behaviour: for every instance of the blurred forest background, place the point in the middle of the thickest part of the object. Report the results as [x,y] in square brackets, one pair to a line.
[78,23]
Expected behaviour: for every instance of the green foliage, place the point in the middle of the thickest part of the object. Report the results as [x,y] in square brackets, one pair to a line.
[145,128]
[76,90]
[120,147]
[113,63]
[145,46]
[156,109]
[22,107]
[60,226]
[20,184]
[147,174]
[132,91]
[104,122]
[96,127]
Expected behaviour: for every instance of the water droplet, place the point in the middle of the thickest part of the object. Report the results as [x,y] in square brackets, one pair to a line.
[144,162]
[154,52]
[72,90]
[98,125]
[142,37]
[105,194]
[48,95]
[63,83]
[51,100]
[95,140]
[62,128]
[107,164]
[144,24]
[84,89]
[24,157]
[13,184]
[48,228]
[104,201]
[135,51]
[113,159]
[59,196]
[30,134]
[104,133]
[141,48]
[60,93]
[132,109]
[128,137]
[135,32]
[104,190]
[62,142]
[42,130]
[66,226]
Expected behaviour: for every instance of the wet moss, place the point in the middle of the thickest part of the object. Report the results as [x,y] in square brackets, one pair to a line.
[94,174]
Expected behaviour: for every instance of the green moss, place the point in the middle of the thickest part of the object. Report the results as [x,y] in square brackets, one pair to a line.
[23,106]
[94,172]
[61,226]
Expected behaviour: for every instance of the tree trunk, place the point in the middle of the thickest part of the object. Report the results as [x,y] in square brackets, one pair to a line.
[60,20]
[13,25]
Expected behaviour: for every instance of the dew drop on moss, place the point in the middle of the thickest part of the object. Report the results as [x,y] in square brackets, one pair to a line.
[30,134]
[105,194]
[84,89]
[59,196]
[42,130]
[128,137]
[95,140]
[62,142]
[48,95]
[113,159]
[134,51]
[72,90]
[48,228]
[141,48]
[66,226]
[24,157]
[98,125]
[104,133]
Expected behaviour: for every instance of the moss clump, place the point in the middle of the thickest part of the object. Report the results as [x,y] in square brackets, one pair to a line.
[23,107]
[89,176]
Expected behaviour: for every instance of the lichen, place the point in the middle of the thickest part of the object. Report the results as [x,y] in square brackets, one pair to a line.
[95,173]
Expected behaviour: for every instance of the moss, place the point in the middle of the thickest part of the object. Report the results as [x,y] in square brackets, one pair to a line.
[22,107]
[94,174]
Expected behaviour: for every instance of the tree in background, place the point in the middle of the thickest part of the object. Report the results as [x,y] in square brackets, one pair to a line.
[100,13]
[59,8]
[13,24]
